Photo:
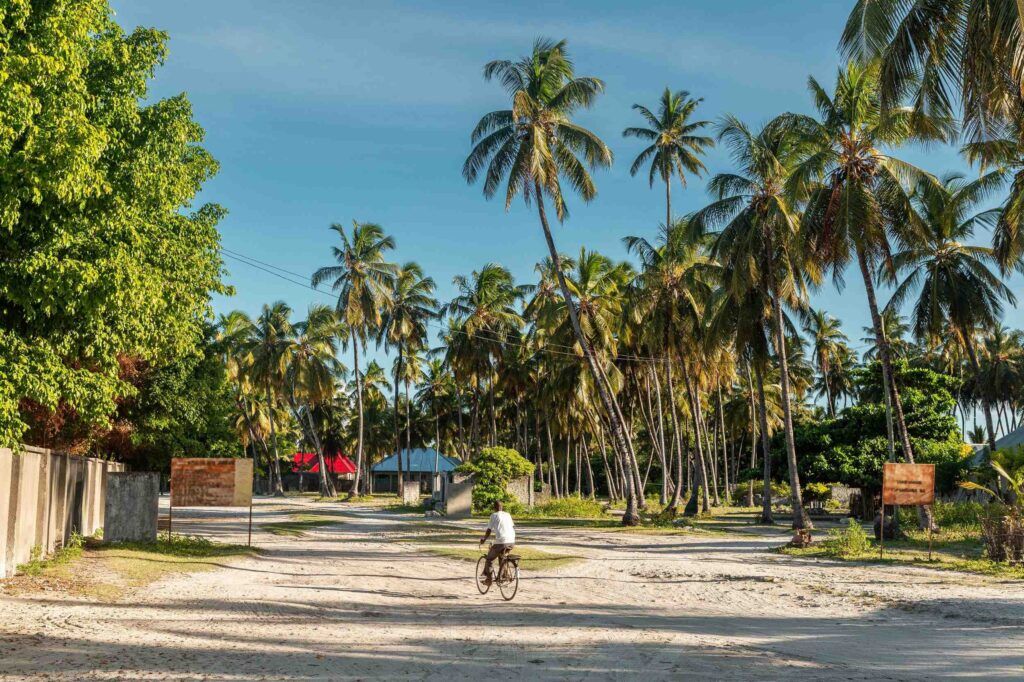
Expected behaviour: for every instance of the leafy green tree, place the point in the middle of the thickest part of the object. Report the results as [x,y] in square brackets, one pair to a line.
[102,257]
[493,468]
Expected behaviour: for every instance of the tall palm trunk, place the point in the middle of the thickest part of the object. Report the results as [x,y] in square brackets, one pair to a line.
[753,435]
[408,434]
[762,417]
[678,492]
[630,517]
[398,430]
[924,513]
[725,452]
[700,469]
[800,517]
[986,408]
[359,409]
[275,463]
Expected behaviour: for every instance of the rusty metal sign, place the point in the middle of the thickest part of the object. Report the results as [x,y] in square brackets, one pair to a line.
[209,482]
[908,484]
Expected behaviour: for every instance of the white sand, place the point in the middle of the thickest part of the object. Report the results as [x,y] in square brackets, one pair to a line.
[357,601]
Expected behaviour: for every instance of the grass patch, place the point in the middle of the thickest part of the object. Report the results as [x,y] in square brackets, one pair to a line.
[38,564]
[957,548]
[298,524]
[532,559]
[106,572]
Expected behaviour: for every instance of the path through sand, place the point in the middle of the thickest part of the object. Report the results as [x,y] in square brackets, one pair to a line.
[361,600]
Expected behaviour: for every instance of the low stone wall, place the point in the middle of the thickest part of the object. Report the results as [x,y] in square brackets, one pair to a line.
[44,497]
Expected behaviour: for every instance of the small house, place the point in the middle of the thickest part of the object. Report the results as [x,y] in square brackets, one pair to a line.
[305,471]
[418,464]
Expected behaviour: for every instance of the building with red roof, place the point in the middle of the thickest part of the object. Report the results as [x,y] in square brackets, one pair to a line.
[305,471]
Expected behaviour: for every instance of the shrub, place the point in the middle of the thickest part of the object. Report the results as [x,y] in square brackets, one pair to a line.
[817,492]
[1003,534]
[779,488]
[848,542]
[573,507]
[493,469]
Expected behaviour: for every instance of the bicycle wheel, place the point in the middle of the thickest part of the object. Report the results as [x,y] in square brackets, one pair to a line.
[481,583]
[510,585]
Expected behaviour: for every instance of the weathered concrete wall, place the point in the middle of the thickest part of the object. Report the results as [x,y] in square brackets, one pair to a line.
[458,496]
[132,505]
[44,497]
[411,492]
[544,496]
[522,490]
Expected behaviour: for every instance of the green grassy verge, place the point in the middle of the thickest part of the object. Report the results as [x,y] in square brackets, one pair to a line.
[532,559]
[298,524]
[107,572]
[958,548]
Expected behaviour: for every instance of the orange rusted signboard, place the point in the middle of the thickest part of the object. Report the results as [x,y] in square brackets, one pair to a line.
[209,482]
[908,484]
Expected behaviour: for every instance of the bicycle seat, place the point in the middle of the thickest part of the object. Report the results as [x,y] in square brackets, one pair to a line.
[512,557]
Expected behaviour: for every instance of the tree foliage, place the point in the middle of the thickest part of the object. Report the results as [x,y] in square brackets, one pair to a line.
[101,256]
[493,468]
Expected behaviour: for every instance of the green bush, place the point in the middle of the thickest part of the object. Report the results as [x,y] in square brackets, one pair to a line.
[848,542]
[493,469]
[817,492]
[779,488]
[573,507]
[950,515]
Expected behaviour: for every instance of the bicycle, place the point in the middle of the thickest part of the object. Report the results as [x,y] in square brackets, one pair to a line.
[507,577]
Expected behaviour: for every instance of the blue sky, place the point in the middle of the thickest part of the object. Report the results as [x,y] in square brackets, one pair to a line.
[324,111]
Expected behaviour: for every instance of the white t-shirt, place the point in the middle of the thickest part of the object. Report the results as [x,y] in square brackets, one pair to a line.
[503,528]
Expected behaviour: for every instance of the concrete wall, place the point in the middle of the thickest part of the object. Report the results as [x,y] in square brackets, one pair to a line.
[522,490]
[458,496]
[411,492]
[132,506]
[44,497]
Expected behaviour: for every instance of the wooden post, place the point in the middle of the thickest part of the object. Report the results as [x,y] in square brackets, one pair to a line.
[250,523]
[929,542]
[881,531]
[170,515]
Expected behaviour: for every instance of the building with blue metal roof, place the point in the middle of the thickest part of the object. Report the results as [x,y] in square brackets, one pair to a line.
[418,464]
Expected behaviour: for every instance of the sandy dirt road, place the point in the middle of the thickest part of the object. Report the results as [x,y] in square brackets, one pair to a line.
[360,600]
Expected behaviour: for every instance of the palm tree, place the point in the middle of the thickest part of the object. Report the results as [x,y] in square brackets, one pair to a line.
[944,52]
[827,339]
[676,281]
[535,144]
[894,330]
[363,280]
[435,390]
[311,372]
[487,316]
[742,314]
[404,327]
[858,194]
[675,147]
[956,290]
[1005,154]
[272,338]
[758,248]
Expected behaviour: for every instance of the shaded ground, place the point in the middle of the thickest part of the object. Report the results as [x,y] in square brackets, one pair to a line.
[365,598]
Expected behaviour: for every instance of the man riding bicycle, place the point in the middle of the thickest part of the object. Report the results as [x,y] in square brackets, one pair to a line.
[504,536]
